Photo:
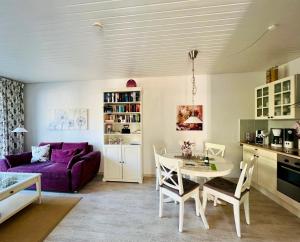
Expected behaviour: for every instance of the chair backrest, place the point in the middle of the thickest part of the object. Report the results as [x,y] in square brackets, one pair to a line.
[158,150]
[214,149]
[167,167]
[244,182]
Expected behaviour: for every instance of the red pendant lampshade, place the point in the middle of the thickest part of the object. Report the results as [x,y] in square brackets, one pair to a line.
[131,83]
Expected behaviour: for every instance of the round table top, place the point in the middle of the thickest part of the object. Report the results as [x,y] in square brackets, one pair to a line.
[223,166]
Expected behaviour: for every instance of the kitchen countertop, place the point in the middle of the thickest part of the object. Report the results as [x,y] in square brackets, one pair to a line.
[295,153]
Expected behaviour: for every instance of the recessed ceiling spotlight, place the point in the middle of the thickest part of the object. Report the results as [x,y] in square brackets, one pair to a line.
[98,25]
[273,27]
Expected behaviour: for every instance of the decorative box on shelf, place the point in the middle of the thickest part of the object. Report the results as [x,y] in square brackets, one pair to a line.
[122,127]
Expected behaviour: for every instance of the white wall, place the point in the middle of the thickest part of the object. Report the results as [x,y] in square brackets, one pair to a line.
[226,98]
[290,68]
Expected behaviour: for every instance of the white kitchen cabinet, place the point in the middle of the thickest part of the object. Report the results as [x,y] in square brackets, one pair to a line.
[265,167]
[123,163]
[267,170]
[276,100]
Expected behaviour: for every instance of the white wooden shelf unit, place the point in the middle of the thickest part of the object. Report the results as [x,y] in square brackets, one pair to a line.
[123,151]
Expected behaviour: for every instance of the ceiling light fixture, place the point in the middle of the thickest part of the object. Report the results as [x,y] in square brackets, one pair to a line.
[98,25]
[270,28]
[193,119]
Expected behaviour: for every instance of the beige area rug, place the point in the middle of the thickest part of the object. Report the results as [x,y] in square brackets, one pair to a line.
[36,221]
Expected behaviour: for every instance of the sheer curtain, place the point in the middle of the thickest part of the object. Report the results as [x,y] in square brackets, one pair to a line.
[11,115]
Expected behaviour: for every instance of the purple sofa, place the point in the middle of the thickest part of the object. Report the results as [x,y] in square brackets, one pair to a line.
[59,175]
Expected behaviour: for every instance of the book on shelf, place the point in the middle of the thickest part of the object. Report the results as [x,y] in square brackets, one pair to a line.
[115,97]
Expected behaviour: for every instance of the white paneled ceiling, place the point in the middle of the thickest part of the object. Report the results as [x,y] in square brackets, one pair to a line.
[54,40]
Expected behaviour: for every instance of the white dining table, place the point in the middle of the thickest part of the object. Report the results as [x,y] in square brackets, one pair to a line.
[195,168]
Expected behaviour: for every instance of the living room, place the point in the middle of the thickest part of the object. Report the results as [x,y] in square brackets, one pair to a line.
[153,61]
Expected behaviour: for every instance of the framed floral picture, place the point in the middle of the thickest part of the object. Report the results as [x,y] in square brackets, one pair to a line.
[184,112]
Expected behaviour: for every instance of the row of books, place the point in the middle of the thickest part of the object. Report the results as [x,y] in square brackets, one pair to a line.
[122,108]
[114,97]
[132,118]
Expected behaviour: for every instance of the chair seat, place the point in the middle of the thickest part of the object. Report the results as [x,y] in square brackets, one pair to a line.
[188,185]
[224,186]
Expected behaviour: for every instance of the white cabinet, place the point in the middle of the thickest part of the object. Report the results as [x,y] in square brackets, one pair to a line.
[123,163]
[276,100]
[113,162]
[267,170]
[265,167]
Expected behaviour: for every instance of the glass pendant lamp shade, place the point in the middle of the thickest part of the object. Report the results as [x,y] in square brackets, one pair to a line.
[193,119]
[19,130]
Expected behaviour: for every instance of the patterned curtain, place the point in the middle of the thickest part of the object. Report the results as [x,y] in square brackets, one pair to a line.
[11,116]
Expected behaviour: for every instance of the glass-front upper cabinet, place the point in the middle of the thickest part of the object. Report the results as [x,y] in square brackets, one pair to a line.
[278,100]
[284,98]
[262,102]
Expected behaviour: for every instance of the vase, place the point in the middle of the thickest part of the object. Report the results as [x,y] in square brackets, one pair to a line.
[187,153]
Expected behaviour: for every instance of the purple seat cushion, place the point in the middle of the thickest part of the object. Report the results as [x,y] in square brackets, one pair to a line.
[63,156]
[84,146]
[55,171]
[33,167]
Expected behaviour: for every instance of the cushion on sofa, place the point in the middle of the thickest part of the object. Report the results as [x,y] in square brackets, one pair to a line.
[63,156]
[53,145]
[40,153]
[81,145]
[19,159]
[32,167]
[74,159]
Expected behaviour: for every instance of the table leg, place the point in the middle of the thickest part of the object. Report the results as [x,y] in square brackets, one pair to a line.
[39,189]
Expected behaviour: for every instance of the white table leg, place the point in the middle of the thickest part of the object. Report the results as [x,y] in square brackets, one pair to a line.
[39,189]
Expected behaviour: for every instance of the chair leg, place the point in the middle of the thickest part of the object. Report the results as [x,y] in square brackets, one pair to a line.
[156,180]
[236,212]
[197,203]
[246,208]
[161,203]
[215,201]
[204,195]
[181,215]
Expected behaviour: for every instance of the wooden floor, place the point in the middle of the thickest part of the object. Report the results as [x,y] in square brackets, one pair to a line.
[129,212]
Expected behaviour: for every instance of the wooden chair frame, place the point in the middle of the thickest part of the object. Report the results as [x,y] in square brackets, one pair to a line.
[158,150]
[215,149]
[166,178]
[243,187]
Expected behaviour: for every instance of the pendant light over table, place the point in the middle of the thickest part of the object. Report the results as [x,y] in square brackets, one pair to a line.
[193,119]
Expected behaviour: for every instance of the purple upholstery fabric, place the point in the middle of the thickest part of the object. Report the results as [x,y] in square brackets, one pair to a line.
[19,159]
[82,145]
[32,167]
[61,177]
[74,159]
[53,145]
[3,165]
[85,170]
[63,156]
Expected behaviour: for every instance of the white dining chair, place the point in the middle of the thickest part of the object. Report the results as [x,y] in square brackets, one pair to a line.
[177,188]
[233,193]
[214,149]
[158,150]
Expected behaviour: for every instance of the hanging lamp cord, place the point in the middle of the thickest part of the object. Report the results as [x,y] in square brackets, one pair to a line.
[194,88]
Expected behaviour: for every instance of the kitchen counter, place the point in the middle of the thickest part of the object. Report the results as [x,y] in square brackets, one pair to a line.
[295,153]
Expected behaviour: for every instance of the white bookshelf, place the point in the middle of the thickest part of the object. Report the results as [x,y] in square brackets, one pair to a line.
[122,134]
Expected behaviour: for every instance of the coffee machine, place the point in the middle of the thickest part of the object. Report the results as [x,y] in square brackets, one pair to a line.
[259,136]
[277,138]
[289,137]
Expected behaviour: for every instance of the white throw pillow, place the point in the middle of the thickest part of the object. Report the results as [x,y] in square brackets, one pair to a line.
[40,153]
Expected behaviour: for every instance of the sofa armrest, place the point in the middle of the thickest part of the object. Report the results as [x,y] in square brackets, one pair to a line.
[85,169]
[3,165]
[19,159]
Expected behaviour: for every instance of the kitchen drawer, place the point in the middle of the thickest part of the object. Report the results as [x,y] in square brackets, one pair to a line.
[267,154]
